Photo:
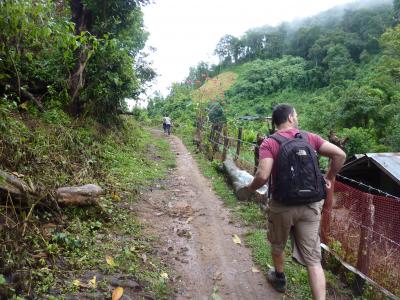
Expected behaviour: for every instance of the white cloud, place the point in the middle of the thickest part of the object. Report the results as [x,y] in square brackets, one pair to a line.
[187,31]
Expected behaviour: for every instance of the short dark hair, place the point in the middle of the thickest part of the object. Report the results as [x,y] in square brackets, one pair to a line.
[281,113]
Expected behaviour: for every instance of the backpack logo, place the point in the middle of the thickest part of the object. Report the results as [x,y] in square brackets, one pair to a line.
[298,177]
[301,152]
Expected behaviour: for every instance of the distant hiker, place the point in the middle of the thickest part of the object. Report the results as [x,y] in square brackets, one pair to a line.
[167,124]
[298,190]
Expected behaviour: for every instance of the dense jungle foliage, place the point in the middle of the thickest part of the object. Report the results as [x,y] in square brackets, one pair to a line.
[339,69]
[81,56]
[66,68]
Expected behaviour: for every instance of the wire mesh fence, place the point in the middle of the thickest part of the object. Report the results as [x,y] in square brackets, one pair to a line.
[365,232]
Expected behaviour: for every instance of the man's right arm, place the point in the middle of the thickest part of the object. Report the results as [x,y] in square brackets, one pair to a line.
[262,174]
[337,157]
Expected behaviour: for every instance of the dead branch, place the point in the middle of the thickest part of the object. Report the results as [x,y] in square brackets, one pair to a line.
[26,193]
[27,95]
[15,186]
[23,93]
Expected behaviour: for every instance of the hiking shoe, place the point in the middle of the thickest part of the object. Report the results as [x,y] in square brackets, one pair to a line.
[279,284]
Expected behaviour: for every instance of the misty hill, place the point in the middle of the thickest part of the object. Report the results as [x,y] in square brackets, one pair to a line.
[339,69]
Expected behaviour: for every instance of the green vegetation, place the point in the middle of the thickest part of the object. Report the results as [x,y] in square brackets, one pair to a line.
[56,251]
[65,71]
[338,70]
[82,56]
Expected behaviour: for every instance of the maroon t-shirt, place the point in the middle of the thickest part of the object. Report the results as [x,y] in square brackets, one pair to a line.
[270,148]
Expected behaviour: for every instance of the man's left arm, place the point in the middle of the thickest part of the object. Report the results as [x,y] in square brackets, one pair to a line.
[337,158]
[262,174]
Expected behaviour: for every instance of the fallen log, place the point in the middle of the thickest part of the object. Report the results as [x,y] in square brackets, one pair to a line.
[16,186]
[12,185]
[79,195]
[240,180]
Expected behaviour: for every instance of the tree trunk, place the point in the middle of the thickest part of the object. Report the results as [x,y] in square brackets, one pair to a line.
[13,186]
[82,19]
[240,179]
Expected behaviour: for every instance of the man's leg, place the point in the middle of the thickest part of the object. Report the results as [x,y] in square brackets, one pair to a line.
[278,261]
[279,224]
[307,249]
[316,276]
[275,276]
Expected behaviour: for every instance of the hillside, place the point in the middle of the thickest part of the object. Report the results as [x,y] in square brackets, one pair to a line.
[337,68]
[214,88]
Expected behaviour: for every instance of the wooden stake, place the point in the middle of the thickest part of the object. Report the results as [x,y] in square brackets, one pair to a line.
[239,142]
[364,249]
[216,138]
[226,142]
[326,214]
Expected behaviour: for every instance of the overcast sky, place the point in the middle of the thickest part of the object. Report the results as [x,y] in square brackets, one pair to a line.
[185,32]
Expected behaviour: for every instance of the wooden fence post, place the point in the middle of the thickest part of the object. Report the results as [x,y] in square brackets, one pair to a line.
[239,142]
[198,135]
[326,214]
[212,131]
[257,144]
[364,249]
[216,141]
[226,142]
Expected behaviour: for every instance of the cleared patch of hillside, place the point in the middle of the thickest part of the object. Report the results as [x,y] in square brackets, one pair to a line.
[214,88]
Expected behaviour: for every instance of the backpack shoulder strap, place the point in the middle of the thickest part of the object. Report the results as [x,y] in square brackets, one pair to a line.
[303,134]
[279,138]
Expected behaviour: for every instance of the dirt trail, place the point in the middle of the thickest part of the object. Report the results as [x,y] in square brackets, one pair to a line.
[196,236]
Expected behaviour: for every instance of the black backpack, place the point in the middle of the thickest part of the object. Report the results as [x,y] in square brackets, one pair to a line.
[298,177]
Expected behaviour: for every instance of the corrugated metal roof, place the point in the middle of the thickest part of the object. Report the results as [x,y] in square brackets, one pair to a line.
[388,163]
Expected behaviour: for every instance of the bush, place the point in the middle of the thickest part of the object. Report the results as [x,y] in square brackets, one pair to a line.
[361,140]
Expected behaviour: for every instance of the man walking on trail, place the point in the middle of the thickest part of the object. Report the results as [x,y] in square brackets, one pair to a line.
[167,124]
[297,195]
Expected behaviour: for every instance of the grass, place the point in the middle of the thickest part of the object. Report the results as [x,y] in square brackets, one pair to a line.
[136,167]
[219,184]
[297,278]
[122,238]
[60,249]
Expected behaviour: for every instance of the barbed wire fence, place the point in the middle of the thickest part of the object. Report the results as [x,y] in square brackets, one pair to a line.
[360,227]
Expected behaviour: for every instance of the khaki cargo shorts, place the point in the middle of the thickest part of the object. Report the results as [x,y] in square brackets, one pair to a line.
[302,224]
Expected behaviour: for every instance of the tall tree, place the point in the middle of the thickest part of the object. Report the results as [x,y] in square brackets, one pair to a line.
[303,39]
[228,49]
[98,19]
[83,20]
[340,64]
